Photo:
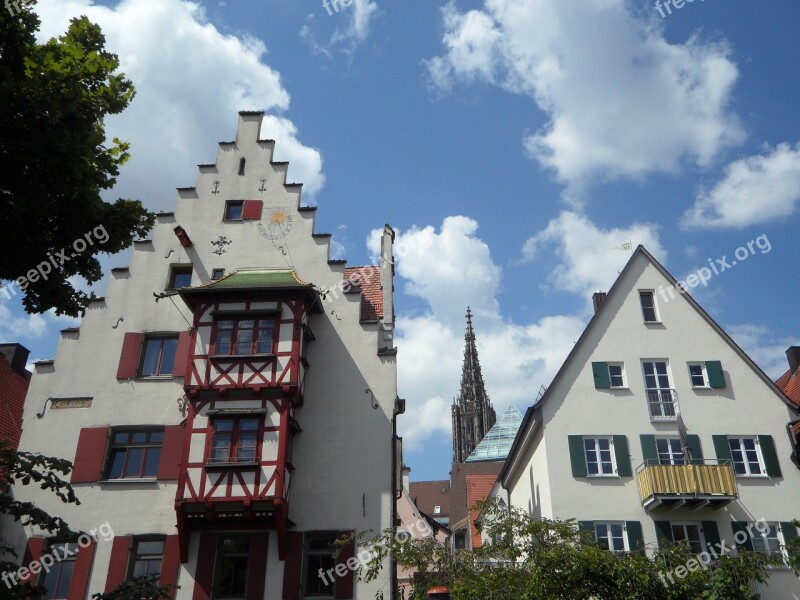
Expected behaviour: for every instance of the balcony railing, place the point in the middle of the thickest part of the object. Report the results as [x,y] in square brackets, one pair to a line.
[701,483]
[663,404]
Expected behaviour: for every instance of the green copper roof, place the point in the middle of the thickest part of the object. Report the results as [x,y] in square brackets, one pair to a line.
[496,444]
[266,278]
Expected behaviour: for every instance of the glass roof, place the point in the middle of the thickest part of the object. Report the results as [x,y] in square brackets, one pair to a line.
[496,444]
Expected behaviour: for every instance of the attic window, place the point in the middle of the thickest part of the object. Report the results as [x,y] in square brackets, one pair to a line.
[437,510]
[241,166]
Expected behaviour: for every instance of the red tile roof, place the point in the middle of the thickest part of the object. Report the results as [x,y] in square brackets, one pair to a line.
[790,385]
[478,488]
[427,495]
[796,429]
[369,279]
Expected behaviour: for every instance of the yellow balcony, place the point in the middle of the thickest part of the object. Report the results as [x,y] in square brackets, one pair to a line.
[704,483]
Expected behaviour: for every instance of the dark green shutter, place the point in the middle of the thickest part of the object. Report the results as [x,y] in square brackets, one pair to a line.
[577,456]
[649,450]
[789,534]
[635,535]
[738,526]
[770,455]
[693,442]
[711,533]
[587,526]
[622,455]
[601,377]
[663,532]
[716,376]
[722,448]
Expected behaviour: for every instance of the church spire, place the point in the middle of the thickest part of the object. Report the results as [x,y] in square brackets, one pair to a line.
[473,414]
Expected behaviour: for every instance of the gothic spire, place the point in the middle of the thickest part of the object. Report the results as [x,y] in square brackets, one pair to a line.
[473,414]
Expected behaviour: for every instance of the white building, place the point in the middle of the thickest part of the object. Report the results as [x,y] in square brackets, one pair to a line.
[658,426]
[229,404]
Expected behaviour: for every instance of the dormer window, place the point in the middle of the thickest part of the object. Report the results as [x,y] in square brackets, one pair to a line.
[244,336]
[234,441]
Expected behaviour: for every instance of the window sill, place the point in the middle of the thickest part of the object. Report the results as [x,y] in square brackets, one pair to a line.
[652,322]
[614,476]
[233,356]
[130,480]
[155,377]
[618,387]
[232,465]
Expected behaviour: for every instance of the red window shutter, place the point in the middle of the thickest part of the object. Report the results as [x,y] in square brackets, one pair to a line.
[90,454]
[259,543]
[118,565]
[169,465]
[171,562]
[292,566]
[252,209]
[129,357]
[82,571]
[181,366]
[33,551]
[344,585]
[204,575]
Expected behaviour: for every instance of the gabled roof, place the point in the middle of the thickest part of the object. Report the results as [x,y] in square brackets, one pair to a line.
[426,495]
[478,489]
[496,444]
[529,421]
[256,279]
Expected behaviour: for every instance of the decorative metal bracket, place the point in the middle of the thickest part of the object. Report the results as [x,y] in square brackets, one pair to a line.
[183,406]
[39,415]
[220,244]
[215,191]
[118,322]
[170,252]
[263,187]
[372,401]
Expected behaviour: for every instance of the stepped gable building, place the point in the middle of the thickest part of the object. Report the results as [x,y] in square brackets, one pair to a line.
[230,428]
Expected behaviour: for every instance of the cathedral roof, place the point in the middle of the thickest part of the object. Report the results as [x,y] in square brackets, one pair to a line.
[496,444]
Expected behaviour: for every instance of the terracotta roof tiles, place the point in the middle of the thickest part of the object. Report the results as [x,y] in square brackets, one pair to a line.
[478,489]
[789,384]
[369,279]
[427,495]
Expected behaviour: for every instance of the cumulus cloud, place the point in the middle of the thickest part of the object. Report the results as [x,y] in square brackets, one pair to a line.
[190,82]
[755,189]
[587,256]
[620,101]
[764,347]
[357,16]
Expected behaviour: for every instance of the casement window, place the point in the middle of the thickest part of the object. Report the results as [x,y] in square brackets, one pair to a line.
[243,210]
[233,210]
[244,337]
[647,299]
[609,375]
[662,401]
[179,277]
[599,456]
[616,375]
[158,357]
[319,555]
[669,450]
[769,542]
[59,579]
[146,557]
[135,453]
[773,540]
[697,375]
[708,374]
[230,572]
[697,535]
[616,536]
[689,533]
[217,273]
[751,456]
[234,440]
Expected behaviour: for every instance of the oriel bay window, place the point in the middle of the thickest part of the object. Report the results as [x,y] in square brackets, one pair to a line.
[245,336]
[234,440]
[134,454]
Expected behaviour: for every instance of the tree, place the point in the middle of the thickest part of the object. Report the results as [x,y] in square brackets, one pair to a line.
[541,559]
[138,589]
[54,161]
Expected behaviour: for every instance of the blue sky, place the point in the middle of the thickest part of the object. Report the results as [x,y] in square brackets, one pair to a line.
[512,143]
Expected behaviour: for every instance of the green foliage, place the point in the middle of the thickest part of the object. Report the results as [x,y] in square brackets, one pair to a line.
[54,161]
[793,548]
[541,559]
[141,588]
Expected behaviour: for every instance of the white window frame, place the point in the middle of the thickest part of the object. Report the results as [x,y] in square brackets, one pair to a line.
[671,455]
[656,312]
[761,544]
[437,510]
[609,538]
[761,464]
[662,416]
[621,366]
[685,524]
[596,452]
[704,374]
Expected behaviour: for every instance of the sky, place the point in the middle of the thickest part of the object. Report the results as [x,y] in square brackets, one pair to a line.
[514,145]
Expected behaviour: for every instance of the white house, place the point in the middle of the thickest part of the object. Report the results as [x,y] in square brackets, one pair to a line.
[228,404]
[659,427]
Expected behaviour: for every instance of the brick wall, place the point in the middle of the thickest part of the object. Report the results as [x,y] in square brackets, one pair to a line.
[13,388]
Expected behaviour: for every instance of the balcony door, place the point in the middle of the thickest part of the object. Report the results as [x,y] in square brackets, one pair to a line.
[660,395]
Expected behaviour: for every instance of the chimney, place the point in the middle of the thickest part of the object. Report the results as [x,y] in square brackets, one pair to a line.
[17,357]
[597,299]
[406,473]
[793,354]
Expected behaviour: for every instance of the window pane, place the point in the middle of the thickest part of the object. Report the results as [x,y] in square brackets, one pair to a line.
[135,459]
[248,424]
[264,341]
[64,580]
[151,354]
[244,341]
[181,278]
[150,547]
[233,577]
[116,462]
[247,446]
[151,462]
[236,544]
[156,437]
[314,583]
[233,211]
[139,437]
[223,425]
[168,356]
[223,345]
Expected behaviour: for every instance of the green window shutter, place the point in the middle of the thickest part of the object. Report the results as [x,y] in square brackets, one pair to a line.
[663,532]
[716,376]
[622,455]
[711,533]
[635,535]
[722,448]
[738,526]
[601,379]
[693,442]
[770,455]
[586,526]
[649,450]
[577,456]
[789,534]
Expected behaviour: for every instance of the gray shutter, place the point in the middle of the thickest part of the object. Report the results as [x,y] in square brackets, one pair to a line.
[635,535]
[623,456]
[601,378]
[770,455]
[716,376]
[722,448]
[576,456]
[693,442]
[649,450]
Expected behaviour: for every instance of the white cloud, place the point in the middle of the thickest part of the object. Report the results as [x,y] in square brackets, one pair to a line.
[755,189]
[765,348]
[621,101]
[587,255]
[358,16]
[22,328]
[190,82]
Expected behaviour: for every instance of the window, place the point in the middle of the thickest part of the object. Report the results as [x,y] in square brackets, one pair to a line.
[58,580]
[217,273]
[319,558]
[234,440]
[616,375]
[135,454]
[146,557]
[768,542]
[689,533]
[244,336]
[180,277]
[233,210]
[610,536]
[159,356]
[697,375]
[746,456]
[648,301]
[599,457]
[661,398]
[437,510]
[231,568]
[670,451]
